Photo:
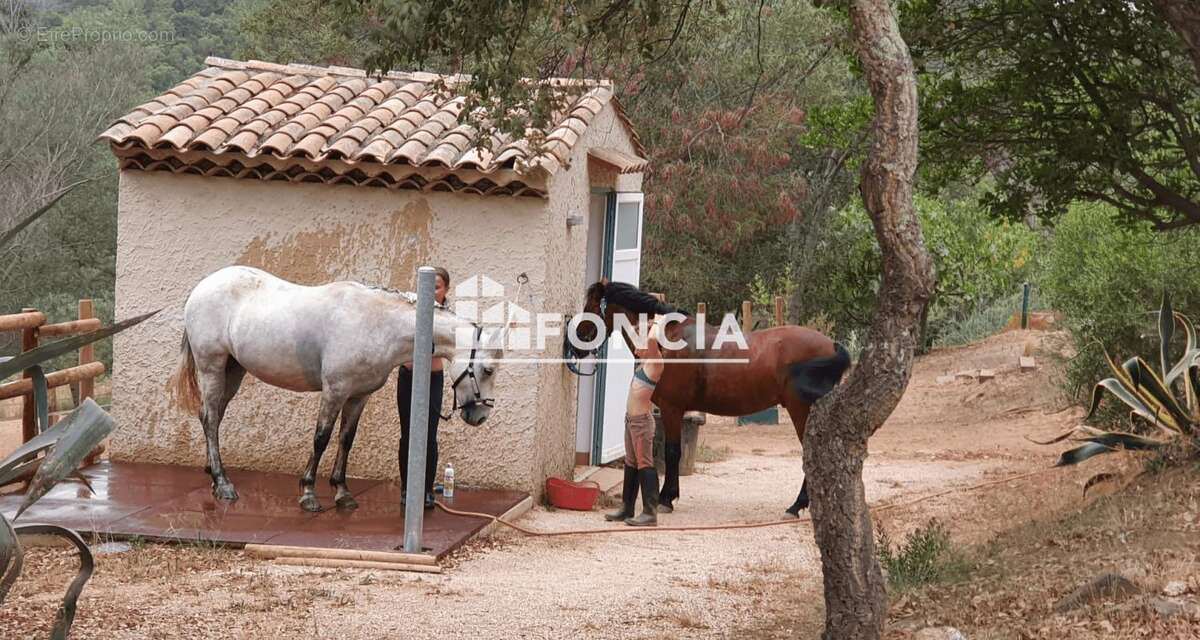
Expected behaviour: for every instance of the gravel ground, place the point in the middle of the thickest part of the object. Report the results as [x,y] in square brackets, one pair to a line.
[713,584]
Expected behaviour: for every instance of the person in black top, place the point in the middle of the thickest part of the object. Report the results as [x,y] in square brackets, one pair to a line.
[404,402]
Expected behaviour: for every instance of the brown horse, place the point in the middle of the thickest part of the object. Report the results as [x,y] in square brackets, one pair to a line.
[790,365]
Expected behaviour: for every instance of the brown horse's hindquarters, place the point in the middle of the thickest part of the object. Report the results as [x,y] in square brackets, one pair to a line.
[810,380]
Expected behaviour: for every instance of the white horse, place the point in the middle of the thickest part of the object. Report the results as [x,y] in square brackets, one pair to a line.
[341,339]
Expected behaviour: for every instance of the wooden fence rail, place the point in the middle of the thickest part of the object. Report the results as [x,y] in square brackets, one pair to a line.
[24,386]
[748,313]
[32,325]
[24,320]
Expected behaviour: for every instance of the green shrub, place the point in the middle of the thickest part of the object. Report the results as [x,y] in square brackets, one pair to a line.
[986,321]
[981,264]
[926,556]
[1104,276]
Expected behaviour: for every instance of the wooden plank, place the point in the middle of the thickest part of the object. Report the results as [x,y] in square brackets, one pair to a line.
[701,308]
[71,328]
[24,386]
[779,311]
[284,551]
[24,320]
[747,316]
[358,564]
[87,354]
[29,341]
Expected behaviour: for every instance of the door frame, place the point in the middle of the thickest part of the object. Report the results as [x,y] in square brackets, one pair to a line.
[606,264]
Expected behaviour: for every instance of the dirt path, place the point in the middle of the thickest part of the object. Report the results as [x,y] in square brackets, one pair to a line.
[755,583]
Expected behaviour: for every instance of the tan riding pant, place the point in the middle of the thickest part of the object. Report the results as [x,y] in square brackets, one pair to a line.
[639,441]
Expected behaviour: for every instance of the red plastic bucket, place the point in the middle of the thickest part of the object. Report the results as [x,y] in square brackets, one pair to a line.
[564,494]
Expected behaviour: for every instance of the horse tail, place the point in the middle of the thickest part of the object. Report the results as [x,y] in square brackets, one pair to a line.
[185,391]
[812,379]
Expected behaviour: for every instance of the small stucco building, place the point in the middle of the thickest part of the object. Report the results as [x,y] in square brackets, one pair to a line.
[319,174]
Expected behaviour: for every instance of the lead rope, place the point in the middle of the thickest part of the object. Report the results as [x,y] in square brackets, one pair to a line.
[736,525]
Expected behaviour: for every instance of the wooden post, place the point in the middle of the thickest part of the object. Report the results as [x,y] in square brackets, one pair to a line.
[52,406]
[87,354]
[779,311]
[1025,305]
[701,308]
[29,426]
[747,317]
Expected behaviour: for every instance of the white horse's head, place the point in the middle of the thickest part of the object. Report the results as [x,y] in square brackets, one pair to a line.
[473,375]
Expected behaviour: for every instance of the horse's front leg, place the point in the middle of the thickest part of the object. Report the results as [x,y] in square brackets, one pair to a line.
[672,419]
[351,412]
[326,416]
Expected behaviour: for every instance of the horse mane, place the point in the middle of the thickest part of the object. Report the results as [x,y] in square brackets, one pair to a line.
[633,298]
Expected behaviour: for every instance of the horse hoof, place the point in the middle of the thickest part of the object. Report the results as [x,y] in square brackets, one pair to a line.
[346,503]
[310,504]
[792,514]
[225,492]
[666,508]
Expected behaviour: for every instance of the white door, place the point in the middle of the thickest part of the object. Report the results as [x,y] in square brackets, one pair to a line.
[626,266]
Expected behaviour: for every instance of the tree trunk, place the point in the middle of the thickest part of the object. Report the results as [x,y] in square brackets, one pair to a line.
[1184,18]
[835,441]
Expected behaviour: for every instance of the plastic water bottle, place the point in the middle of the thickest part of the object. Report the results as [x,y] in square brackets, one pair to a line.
[448,482]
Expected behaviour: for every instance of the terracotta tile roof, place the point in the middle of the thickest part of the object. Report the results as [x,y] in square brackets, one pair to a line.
[621,161]
[335,124]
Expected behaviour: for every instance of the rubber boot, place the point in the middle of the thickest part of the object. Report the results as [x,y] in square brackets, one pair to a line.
[629,493]
[649,515]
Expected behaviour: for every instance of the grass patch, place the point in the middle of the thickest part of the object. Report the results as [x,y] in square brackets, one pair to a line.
[708,454]
[926,556]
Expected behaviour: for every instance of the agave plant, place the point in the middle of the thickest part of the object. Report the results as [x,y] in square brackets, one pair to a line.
[65,445]
[1164,400]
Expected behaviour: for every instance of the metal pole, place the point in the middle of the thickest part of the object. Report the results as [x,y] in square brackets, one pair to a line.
[1025,306]
[418,430]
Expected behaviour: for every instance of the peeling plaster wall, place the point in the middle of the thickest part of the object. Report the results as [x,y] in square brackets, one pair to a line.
[174,230]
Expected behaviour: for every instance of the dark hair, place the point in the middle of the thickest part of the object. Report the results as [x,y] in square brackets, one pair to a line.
[632,298]
[445,275]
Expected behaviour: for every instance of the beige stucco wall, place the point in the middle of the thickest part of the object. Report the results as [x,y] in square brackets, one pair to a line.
[174,230]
